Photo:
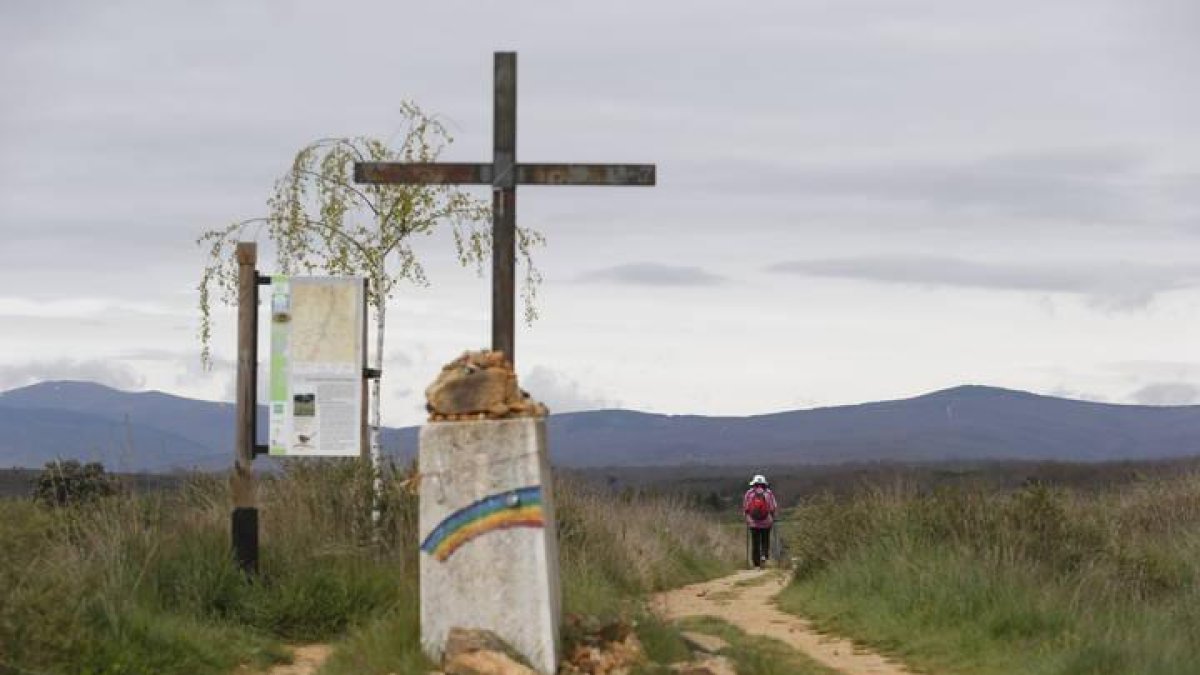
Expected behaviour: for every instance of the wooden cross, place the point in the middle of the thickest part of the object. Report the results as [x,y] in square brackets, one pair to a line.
[503,174]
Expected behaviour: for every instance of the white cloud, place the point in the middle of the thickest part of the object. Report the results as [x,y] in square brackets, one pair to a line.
[653,274]
[1167,393]
[561,393]
[1088,185]
[111,373]
[980,133]
[82,308]
[1118,285]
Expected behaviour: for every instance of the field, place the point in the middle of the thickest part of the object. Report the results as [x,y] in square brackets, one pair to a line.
[19,483]
[1001,567]
[720,487]
[145,583]
[971,578]
[984,568]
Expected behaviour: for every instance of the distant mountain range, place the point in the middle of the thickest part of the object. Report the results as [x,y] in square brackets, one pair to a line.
[157,432]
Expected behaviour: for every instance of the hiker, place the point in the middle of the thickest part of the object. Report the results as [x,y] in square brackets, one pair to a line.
[759,506]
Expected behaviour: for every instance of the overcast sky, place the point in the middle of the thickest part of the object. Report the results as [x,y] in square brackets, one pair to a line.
[857,200]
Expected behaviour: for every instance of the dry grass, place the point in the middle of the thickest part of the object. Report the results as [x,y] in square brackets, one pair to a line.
[146,583]
[1040,580]
[638,542]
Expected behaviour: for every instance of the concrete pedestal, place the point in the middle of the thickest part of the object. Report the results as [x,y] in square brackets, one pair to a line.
[489,553]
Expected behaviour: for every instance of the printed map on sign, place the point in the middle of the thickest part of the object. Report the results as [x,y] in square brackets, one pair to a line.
[316,365]
[325,323]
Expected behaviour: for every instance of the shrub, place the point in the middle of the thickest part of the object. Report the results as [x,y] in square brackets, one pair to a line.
[69,483]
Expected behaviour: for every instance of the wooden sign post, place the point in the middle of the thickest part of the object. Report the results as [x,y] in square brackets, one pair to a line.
[241,481]
[339,410]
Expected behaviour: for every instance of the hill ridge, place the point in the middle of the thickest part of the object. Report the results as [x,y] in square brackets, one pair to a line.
[966,422]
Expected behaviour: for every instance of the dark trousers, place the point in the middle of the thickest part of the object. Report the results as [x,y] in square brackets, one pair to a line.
[760,545]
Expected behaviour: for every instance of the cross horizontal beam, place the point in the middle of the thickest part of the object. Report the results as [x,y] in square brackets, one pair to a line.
[412,173]
[585,174]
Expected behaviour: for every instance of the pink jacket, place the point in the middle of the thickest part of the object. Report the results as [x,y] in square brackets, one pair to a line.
[765,522]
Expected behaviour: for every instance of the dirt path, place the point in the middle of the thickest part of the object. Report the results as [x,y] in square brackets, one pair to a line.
[747,600]
[306,660]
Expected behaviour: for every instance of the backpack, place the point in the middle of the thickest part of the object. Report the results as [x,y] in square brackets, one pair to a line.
[759,508]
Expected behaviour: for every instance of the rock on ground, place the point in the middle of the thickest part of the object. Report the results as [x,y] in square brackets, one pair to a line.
[485,663]
[471,651]
[704,643]
[710,665]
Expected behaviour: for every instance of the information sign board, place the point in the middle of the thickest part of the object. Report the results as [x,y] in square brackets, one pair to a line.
[316,365]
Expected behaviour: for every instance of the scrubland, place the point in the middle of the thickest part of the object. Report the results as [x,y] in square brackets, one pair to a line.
[969,578]
[145,583]
[1093,572]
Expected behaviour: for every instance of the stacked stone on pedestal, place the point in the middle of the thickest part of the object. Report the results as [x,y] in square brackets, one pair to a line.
[489,553]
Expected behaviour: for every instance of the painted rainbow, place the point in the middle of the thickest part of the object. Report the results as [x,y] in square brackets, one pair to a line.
[516,508]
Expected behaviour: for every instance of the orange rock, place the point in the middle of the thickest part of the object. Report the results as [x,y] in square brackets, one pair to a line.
[485,663]
[477,386]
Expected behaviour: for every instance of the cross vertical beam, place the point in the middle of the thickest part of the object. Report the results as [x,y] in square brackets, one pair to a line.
[504,205]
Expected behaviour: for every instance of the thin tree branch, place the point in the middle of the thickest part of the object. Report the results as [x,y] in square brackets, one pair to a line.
[349,143]
[309,221]
[366,200]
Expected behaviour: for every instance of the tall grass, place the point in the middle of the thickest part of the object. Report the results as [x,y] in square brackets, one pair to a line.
[139,584]
[147,583]
[614,548]
[1039,580]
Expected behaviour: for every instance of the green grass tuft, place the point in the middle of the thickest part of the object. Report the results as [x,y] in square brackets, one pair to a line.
[389,643]
[661,641]
[982,581]
[140,584]
[753,654]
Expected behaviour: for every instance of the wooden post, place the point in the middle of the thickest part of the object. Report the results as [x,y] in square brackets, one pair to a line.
[241,482]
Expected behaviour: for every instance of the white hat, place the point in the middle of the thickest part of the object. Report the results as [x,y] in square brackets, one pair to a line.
[758,478]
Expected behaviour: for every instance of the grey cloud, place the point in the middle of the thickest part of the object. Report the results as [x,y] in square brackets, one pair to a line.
[561,393]
[398,359]
[1078,395]
[85,104]
[189,361]
[112,373]
[654,274]
[1117,285]
[1078,185]
[77,307]
[228,374]
[150,354]
[1157,370]
[167,119]
[1167,393]
[190,370]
